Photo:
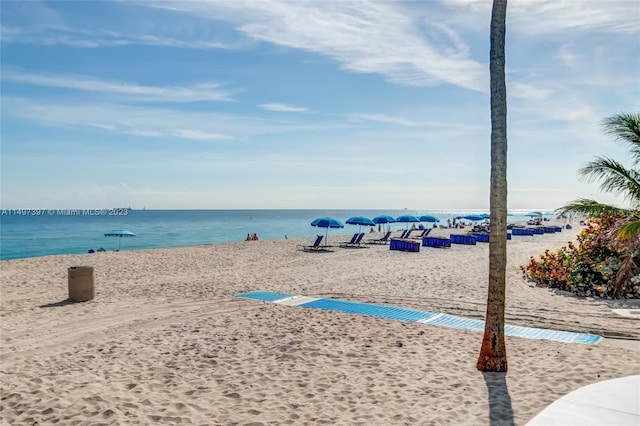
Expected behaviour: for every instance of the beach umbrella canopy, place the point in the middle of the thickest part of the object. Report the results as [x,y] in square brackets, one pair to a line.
[534,214]
[327,222]
[360,220]
[383,218]
[485,215]
[428,218]
[471,217]
[407,218]
[119,233]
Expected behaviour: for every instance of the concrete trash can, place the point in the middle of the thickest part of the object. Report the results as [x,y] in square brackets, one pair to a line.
[81,283]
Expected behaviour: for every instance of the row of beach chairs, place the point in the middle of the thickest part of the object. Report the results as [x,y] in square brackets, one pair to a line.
[536,231]
[484,237]
[356,241]
[405,242]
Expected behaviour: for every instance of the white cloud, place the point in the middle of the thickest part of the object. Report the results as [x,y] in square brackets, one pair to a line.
[529,92]
[95,40]
[567,56]
[364,37]
[135,92]
[384,118]
[282,108]
[199,135]
[403,121]
[153,122]
[550,17]
[540,17]
[38,22]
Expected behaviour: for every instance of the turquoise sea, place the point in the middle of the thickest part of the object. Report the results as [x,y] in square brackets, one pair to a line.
[31,233]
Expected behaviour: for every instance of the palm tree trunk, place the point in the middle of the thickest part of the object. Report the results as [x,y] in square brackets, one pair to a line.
[493,353]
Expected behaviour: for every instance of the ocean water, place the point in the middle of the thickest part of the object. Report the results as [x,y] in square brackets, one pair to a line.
[30,233]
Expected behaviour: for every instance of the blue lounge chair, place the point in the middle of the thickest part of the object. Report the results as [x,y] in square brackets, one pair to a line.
[382,240]
[315,246]
[354,242]
[423,234]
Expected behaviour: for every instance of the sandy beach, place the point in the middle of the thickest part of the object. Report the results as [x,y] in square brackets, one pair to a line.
[165,341]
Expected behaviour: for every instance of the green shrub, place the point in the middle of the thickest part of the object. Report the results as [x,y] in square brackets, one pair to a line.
[586,269]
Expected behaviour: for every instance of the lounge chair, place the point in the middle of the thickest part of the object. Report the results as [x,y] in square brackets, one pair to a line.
[355,242]
[405,233]
[382,240]
[315,246]
[424,233]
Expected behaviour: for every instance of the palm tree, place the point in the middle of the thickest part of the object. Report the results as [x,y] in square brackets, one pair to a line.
[493,353]
[614,178]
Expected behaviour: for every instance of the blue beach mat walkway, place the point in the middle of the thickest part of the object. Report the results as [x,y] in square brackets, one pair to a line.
[411,315]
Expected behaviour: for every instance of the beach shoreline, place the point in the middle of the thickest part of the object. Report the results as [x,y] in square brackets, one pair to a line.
[165,341]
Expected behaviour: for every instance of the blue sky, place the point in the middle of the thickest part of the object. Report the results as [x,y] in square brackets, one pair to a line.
[211,104]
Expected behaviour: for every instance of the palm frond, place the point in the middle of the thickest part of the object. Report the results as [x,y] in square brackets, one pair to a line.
[589,208]
[625,127]
[630,230]
[613,177]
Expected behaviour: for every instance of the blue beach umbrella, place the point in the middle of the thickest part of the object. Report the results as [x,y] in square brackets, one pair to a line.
[407,218]
[119,233]
[327,222]
[428,218]
[359,220]
[471,217]
[534,214]
[383,218]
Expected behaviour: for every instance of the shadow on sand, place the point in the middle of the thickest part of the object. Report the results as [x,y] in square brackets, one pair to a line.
[58,304]
[500,410]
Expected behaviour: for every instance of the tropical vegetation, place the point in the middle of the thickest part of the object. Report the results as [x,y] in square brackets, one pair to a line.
[606,260]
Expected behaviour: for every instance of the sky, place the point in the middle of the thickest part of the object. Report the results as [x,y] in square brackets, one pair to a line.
[306,105]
